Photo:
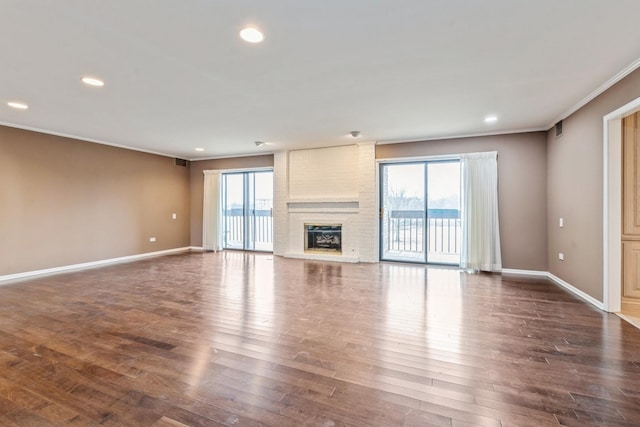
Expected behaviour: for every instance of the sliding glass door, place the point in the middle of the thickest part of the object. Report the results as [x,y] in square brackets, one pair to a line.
[247,199]
[420,212]
[443,212]
[403,201]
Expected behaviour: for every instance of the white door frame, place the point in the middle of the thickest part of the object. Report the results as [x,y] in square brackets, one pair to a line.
[612,206]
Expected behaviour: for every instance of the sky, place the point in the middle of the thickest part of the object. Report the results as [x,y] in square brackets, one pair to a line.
[444,179]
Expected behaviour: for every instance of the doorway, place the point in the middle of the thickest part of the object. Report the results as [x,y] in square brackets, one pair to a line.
[420,212]
[630,298]
[247,210]
[612,205]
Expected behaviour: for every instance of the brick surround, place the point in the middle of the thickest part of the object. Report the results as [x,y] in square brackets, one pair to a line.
[334,185]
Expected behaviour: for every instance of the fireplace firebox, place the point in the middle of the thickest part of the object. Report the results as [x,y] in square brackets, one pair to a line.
[323,238]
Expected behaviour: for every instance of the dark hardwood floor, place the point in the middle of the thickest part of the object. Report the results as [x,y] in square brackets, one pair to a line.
[251,339]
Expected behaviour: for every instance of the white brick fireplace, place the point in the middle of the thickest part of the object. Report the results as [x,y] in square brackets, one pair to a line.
[334,185]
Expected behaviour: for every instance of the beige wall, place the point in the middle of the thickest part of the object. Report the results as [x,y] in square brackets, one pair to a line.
[197,184]
[521,189]
[575,189]
[65,201]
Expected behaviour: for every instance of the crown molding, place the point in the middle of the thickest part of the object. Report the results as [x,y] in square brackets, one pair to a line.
[603,88]
[82,138]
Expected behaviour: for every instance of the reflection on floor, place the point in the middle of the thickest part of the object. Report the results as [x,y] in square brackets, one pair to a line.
[415,256]
[239,338]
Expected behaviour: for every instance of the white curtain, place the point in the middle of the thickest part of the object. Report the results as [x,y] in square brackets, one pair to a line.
[212,212]
[480,227]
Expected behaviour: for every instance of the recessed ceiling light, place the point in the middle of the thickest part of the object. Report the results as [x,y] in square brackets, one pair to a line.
[490,119]
[17,105]
[251,35]
[199,149]
[92,81]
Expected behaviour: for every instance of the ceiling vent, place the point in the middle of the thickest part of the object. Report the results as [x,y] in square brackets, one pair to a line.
[181,162]
[559,128]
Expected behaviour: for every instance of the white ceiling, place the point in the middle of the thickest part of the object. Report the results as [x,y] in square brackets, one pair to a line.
[178,76]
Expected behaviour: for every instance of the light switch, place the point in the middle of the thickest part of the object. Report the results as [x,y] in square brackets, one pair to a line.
[174,216]
[561,222]
[152,239]
[561,256]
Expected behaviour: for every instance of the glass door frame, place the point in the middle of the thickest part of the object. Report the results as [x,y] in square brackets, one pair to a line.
[426,229]
[382,213]
[248,208]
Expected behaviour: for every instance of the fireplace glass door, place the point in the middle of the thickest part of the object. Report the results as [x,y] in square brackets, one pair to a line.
[247,208]
[323,238]
[420,212]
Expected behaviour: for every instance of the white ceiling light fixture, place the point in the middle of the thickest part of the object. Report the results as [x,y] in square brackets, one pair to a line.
[17,105]
[491,119]
[199,149]
[251,35]
[355,133]
[259,143]
[92,81]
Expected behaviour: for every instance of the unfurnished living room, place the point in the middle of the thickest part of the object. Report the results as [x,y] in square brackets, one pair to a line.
[336,213]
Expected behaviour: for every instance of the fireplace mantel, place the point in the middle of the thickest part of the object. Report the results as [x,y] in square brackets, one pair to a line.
[323,205]
[323,200]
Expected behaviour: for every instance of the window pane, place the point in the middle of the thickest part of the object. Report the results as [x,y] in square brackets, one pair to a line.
[403,202]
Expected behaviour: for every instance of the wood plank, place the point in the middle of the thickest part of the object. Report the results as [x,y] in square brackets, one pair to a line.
[251,339]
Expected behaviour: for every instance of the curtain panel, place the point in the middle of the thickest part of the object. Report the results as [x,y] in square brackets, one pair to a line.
[212,211]
[480,225]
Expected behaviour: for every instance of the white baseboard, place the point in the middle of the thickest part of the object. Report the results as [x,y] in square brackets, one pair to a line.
[320,257]
[533,273]
[558,281]
[632,320]
[67,268]
[588,298]
[100,263]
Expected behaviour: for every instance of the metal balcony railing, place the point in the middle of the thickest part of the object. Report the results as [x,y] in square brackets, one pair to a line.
[406,231]
[260,227]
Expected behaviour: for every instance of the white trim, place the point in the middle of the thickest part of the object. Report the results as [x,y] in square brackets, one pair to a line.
[461,136]
[434,158]
[232,156]
[625,110]
[322,147]
[588,298]
[612,214]
[74,267]
[412,159]
[320,257]
[612,205]
[533,273]
[603,88]
[605,215]
[239,170]
[631,320]
[558,281]
[128,147]
[85,265]
[82,138]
